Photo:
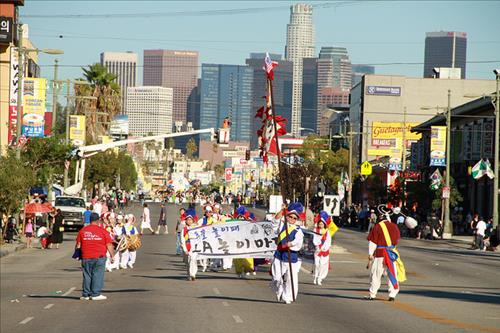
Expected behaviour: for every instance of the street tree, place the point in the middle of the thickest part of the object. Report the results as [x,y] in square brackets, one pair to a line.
[191,148]
[107,103]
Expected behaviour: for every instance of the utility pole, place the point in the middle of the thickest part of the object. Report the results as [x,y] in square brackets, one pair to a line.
[55,90]
[447,227]
[403,160]
[497,152]
[19,89]
[66,183]
[349,193]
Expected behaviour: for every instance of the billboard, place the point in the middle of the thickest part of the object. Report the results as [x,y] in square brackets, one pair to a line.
[438,146]
[119,126]
[384,134]
[34,93]
[77,130]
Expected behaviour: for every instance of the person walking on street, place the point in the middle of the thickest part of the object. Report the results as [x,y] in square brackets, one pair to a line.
[28,232]
[57,229]
[146,219]
[162,221]
[93,242]
[179,227]
[86,215]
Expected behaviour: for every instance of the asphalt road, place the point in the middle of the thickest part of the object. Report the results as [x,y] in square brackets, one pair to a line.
[449,289]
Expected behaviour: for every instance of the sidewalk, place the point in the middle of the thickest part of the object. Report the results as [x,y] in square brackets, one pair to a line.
[7,248]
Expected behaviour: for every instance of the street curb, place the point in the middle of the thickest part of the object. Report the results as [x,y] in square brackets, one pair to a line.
[11,249]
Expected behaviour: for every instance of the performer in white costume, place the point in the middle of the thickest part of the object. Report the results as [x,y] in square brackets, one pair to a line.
[189,256]
[322,242]
[292,239]
[130,231]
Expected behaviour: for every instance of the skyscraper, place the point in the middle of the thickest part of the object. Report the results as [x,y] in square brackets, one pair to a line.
[299,45]
[226,91]
[149,110]
[309,102]
[341,66]
[124,66]
[358,71]
[172,69]
[445,49]
[282,89]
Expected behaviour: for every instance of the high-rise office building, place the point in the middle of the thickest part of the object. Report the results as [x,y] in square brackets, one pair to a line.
[172,69]
[299,45]
[282,89]
[226,91]
[341,67]
[358,71]
[445,49]
[149,110]
[124,66]
[309,102]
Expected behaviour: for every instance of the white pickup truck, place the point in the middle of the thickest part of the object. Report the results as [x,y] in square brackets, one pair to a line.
[72,209]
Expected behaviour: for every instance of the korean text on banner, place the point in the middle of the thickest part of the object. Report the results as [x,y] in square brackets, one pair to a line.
[234,239]
[34,91]
[438,146]
[77,130]
[13,87]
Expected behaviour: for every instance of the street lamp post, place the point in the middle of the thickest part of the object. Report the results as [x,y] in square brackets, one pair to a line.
[497,152]
[21,53]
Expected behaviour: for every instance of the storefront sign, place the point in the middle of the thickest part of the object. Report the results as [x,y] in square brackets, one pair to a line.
[6,29]
[383,90]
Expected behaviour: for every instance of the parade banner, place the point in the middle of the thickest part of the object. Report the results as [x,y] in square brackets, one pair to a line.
[33,122]
[13,88]
[235,239]
[77,130]
[438,146]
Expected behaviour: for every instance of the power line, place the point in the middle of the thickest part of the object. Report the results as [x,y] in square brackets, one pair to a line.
[194,13]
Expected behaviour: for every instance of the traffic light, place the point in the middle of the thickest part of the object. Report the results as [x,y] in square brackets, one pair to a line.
[247,155]
[215,136]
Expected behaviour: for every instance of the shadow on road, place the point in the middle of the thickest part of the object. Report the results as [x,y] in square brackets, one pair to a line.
[467,297]
[54,296]
[357,298]
[237,299]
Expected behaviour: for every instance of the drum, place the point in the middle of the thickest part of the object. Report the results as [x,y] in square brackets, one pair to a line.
[122,244]
[410,222]
[134,242]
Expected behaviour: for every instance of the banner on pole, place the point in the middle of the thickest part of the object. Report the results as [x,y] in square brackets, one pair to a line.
[34,94]
[438,146]
[77,130]
[236,239]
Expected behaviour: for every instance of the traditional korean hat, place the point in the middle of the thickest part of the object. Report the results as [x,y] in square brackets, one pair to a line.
[296,208]
[191,213]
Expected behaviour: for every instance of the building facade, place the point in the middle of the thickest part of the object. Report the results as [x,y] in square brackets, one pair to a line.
[176,69]
[358,71]
[299,45]
[378,104]
[282,89]
[328,98]
[149,110]
[124,66]
[445,49]
[226,91]
[341,71]
[309,103]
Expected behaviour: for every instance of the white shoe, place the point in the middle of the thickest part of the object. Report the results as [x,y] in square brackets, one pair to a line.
[131,266]
[84,298]
[278,298]
[315,281]
[288,302]
[247,273]
[99,298]
[109,269]
[319,283]
[123,267]
[254,273]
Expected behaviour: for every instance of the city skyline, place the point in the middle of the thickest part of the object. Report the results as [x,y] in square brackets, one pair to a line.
[373,42]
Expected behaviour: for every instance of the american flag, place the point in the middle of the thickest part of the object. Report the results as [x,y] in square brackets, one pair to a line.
[269,66]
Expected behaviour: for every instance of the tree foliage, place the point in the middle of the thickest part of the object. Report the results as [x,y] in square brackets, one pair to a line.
[105,167]
[191,148]
[107,103]
[16,178]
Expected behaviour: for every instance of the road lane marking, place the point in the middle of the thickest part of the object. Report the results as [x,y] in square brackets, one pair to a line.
[48,306]
[225,303]
[216,291]
[26,320]
[237,319]
[69,291]
[441,320]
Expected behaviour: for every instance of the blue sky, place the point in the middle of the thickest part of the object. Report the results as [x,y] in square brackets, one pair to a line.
[374,32]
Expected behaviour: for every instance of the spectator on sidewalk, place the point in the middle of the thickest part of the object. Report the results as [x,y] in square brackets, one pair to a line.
[44,235]
[57,229]
[11,231]
[93,242]
[28,232]
[86,215]
[480,233]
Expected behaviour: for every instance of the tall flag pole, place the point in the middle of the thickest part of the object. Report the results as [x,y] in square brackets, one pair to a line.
[273,126]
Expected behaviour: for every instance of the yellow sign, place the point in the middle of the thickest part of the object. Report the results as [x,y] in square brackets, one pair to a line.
[384,131]
[384,152]
[366,168]
[77,130]
[34,91]
[438,146]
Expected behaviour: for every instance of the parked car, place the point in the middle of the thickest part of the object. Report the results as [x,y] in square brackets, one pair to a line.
[72,209]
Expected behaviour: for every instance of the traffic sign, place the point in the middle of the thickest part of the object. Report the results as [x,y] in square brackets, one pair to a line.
[446,192]
[331,205]
[366,168]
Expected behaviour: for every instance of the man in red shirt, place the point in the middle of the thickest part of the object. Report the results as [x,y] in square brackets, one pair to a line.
[94,241]
[381,255]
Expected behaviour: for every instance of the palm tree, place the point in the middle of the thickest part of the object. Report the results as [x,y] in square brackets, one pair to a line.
[107,103]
